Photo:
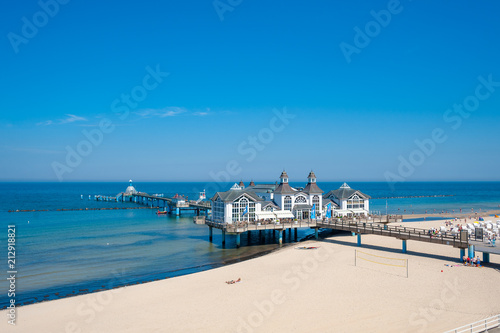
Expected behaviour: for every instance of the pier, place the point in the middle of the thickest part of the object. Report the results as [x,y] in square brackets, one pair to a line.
[376,225]
[288,224]
[175,205]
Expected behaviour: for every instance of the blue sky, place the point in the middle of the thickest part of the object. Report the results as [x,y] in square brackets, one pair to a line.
[353,120]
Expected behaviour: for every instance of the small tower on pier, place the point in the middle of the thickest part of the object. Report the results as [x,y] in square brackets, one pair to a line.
[130,189]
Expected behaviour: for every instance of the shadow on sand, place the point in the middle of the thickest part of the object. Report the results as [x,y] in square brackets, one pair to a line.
[413,253]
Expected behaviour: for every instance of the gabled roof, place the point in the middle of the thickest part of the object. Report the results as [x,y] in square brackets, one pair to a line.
[269,204]
[232,195]
[345,192]
[327,201]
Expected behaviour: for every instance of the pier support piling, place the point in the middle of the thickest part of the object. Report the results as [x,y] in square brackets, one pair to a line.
[280,237]
[316,233]
[295,234]
[462,254]
[238,240]
[177,211]
[486,257]
[359,239]
[223,238]
[471,251]
[404,245]
[211,234]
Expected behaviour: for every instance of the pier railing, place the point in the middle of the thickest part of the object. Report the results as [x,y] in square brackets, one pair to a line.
[479,326]
[407,233]
[238,227]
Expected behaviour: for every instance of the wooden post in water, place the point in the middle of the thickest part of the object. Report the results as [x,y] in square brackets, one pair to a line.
[223,238]
[280,237]
[211,234]
[238,240]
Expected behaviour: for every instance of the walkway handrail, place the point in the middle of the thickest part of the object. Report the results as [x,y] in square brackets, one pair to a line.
[397,231]
[478,326]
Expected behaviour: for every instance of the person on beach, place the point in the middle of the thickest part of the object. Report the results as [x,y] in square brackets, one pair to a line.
[478,262]
[233,281]
[474,262]
[468,261]
[464,259]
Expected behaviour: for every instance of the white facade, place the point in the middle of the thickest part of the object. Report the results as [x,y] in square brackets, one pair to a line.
[241,204]
[350,202]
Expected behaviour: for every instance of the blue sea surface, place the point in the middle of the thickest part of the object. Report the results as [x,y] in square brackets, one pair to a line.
[64,253]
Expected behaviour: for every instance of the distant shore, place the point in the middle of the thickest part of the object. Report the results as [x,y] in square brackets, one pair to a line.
[451,215]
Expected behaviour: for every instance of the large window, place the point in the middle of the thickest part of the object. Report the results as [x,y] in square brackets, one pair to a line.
[239,208]
[287,203]
[218,210]
[316,201]
[300,199]
[355,202]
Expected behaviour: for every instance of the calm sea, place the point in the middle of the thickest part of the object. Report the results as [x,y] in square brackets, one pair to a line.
[64,253]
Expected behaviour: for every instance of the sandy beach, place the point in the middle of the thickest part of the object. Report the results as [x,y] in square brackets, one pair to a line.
[293,290]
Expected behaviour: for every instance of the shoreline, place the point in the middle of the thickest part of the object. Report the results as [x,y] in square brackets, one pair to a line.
[287,281]
[206,267]
[421,223]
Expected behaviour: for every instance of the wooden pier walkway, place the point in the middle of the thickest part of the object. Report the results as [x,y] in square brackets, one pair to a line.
[376,225]
[172,205]
[399,232]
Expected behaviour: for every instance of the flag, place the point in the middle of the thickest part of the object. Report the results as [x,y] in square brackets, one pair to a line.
[313,212]
[245,211]
[329,210]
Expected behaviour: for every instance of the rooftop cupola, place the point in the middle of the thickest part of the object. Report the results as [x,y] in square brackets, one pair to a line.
[284,178]
[311,178]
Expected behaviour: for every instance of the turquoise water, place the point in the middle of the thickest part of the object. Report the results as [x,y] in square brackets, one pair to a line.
[73,252]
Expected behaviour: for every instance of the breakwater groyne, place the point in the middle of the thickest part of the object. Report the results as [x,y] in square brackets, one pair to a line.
[76,209]
[417,196]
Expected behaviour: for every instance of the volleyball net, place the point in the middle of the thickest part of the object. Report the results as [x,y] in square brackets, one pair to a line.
[386,264]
